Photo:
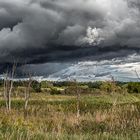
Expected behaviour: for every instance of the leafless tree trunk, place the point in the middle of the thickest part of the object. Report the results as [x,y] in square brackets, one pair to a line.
[6,90]
[27,95]
[8,86]
[78,103]
[137,75]
[78,99]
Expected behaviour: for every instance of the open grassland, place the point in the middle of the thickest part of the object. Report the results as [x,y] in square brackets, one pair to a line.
[54,117]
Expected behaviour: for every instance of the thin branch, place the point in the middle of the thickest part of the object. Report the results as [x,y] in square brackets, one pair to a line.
[137,74]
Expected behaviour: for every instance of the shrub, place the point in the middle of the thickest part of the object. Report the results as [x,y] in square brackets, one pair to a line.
[54,91]
[36,86]
[94,84]
[133,87]
[46,84]
[110,87]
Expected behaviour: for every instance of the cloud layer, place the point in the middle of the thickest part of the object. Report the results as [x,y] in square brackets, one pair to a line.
[38,31]
[120,70]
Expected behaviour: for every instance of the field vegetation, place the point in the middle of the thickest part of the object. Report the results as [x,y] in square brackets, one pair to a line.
[71,111]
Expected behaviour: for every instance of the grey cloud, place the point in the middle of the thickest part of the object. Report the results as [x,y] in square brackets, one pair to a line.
[38,31]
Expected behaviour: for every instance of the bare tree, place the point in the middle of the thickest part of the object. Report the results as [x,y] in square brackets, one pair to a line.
[27,87]
[8,86]
[78,98]
[137,75]
[6,90]
[78,104]
[27,92]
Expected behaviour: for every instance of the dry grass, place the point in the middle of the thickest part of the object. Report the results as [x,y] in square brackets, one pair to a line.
[55,117]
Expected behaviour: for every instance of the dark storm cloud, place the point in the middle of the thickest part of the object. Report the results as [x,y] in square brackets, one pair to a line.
[38,31]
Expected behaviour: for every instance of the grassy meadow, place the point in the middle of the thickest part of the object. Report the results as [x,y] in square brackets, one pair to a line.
[101,111]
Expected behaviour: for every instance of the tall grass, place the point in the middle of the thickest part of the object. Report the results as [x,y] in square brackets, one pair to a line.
[100,118]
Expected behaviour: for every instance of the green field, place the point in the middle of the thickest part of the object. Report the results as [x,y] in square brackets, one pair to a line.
[54,117]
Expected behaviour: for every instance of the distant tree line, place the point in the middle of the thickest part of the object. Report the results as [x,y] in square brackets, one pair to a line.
[130,87]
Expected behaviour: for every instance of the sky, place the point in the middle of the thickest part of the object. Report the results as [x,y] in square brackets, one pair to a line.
[51,36]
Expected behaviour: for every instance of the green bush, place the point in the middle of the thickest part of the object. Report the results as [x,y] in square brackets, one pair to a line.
[36,86]
[54,91]
[133,87]
[95,85]
[110,87]
[46,84]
